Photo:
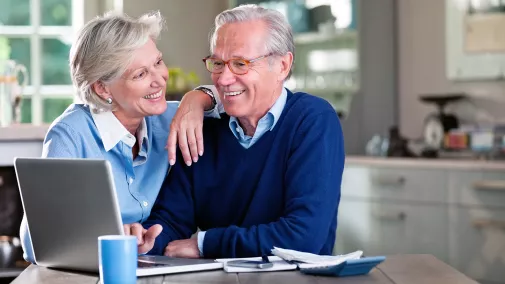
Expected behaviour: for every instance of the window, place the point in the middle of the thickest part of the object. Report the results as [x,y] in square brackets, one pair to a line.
[39,34]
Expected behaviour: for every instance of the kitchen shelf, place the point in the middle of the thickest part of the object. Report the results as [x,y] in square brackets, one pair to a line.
[347,37]
[327,91]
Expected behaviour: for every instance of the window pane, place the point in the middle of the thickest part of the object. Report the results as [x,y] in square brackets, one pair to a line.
[55,62]
[20,52]
[56,12]
[15,12]
[53,107]
[26,110]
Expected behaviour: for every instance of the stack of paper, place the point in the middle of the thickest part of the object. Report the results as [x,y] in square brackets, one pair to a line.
[309,260]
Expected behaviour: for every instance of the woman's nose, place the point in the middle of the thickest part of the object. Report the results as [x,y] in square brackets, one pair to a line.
[160,78]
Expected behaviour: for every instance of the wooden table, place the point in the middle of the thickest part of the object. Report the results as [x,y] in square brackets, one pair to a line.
[411,269]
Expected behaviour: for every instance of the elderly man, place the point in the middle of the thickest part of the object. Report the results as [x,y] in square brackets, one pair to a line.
[272,169]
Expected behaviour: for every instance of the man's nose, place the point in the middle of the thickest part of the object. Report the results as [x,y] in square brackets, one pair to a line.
[226,77]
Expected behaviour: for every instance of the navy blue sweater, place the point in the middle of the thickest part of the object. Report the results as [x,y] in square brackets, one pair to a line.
[283,191]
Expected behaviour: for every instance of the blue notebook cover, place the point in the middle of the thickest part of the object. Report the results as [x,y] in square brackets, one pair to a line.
[351,267]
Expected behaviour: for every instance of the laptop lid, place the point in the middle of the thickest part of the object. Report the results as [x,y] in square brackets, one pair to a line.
[68,204]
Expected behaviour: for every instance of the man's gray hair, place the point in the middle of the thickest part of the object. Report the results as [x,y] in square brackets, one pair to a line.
[104,48]
[279,39]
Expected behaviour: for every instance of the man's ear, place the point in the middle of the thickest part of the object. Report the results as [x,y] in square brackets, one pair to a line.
[286,61]
[101,90]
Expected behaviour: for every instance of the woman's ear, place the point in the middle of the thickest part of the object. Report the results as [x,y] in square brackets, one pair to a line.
[101,90]
[286,63]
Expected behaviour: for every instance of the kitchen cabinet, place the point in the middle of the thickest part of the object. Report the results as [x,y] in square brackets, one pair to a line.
[477,238]
[21,141]
[387,228]
[454,210]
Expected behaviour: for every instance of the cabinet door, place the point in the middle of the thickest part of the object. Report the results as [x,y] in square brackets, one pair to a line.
[478,188]
[395,183]
[356,229]
[477,238]
[386,228]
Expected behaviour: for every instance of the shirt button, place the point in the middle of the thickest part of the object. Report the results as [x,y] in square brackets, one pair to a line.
[130,180]
[129,136]
[238,129]
[145,203]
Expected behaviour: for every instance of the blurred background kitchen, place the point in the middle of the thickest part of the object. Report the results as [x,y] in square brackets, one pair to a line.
[418,84]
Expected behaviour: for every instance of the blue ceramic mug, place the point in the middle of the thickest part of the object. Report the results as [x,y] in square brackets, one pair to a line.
[118,259]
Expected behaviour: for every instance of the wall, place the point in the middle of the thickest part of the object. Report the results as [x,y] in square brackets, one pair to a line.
[374,108]
[421,46]
[186,40]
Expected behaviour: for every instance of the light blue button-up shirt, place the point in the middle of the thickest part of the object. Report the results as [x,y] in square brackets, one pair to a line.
[80,133]
[266,123]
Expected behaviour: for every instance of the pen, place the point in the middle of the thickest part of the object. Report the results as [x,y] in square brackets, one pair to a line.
[265,258]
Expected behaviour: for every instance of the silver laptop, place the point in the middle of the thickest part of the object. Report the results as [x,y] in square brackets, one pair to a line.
[68,204]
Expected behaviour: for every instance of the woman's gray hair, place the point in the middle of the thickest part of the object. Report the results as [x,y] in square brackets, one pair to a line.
[279,39]
[104,48]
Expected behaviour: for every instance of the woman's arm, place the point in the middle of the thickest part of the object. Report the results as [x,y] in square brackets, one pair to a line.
[186,126]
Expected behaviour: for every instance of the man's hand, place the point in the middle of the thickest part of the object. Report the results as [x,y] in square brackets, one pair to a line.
[186,127]
[145,238]
[183,248]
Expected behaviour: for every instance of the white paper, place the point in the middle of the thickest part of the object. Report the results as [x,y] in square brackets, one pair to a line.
[310,260]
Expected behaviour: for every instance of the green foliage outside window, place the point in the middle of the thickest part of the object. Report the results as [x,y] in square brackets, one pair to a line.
[53,107]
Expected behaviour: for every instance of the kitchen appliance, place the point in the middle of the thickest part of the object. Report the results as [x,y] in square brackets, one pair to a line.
[10,91]
[439,123]
[10,251]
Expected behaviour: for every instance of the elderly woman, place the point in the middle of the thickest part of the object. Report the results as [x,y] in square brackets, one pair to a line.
[121,77]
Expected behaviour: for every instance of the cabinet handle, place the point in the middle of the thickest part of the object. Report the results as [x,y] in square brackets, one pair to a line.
[497,185]
[1,181]
[489,223]
[390,181]
[390,216]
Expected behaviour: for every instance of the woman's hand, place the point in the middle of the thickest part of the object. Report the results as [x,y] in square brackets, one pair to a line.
[186,127]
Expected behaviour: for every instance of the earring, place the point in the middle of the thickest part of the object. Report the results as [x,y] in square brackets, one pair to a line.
[109,101]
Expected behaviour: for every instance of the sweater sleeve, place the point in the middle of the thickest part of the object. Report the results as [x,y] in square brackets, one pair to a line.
[174,208]
[312,179]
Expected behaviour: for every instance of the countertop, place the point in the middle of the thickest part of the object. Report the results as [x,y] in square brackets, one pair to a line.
[23,132]
[463,164]
[397,269]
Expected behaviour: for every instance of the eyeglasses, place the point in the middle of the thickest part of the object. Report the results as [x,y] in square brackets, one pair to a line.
[238,66]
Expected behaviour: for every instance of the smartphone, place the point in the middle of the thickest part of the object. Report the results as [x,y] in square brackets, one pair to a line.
[249,264]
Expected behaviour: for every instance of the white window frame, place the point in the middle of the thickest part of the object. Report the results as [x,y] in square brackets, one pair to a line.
[36,33]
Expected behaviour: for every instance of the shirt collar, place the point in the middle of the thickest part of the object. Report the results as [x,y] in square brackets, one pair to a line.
[112,131]
[278,107]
